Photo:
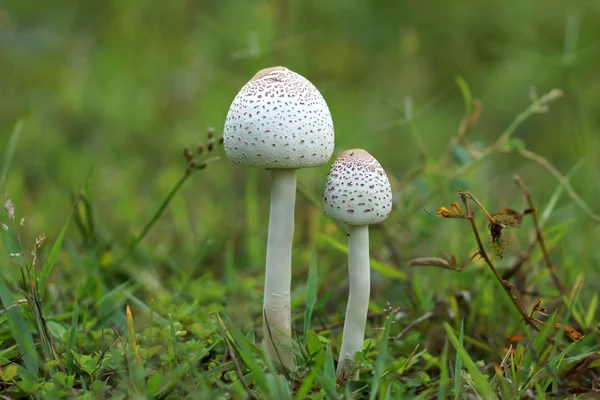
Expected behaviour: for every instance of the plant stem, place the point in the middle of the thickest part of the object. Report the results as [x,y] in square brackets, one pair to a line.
[538,234]
[507,287]
[358,298]
[562,180]
[278,273]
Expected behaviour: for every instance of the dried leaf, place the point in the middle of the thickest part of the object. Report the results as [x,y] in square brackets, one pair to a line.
[447,263]
[580,367]
[507,220]
[570,332]
[516,337]
[457,209]
[508,211]
[445,212]
[455,212]
[9,207]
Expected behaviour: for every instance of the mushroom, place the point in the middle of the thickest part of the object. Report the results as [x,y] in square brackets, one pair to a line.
[279,121]
[358,194]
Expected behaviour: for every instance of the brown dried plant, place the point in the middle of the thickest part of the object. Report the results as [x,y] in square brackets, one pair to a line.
[498,222]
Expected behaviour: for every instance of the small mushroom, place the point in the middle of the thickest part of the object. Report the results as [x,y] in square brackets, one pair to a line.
[279,121]
[358,194]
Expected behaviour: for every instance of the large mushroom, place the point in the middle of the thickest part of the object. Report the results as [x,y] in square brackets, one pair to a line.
[358,194]
[279,121]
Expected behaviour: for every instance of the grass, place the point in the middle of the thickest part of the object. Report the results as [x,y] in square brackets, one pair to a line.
[132,268]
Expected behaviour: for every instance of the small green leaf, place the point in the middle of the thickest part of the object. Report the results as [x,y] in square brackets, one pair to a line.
[56,330]
[460,154]
[465,91]
[64,380]
[9,372]
[98,386]
[315,349]
[49,365]
[515,144]
[153,383]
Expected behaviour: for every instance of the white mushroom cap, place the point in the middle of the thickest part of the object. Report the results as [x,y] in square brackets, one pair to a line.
[279,120]
[357,191]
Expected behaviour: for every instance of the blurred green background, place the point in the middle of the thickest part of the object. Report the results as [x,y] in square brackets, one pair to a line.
[123,86]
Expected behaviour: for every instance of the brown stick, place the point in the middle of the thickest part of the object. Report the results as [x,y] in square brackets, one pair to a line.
[238,370]
[478,204]
[510,289]
[417,321]
[538,234]
[285,371]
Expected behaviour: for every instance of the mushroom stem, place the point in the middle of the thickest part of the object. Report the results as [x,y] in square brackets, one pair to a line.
[358,298]
[278,277]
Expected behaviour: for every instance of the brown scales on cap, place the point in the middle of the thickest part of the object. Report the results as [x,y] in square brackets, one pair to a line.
[357,191]
[279,120]
[359,158]
[264,72]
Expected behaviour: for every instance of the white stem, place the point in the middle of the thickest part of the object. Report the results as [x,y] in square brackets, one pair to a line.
[278,275]
[358,298]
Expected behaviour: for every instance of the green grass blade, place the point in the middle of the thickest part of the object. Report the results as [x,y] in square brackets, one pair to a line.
[384,270]
[72,337]
[381,357]
[247,352]
[465,91]
[329,365]
[173,378]
[483,387]
[10,152]
[307,384]
[150,224]
[444,374]
[172,343]
[248,357]
[327,378]
[458,364]
[53,254]
[557,193]
[134,363]
[311,291]
[540,340]
[20,330]
[315,348]
[591,312]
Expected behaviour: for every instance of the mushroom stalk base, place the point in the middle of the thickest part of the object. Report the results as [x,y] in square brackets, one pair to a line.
[358,300]
[278,275]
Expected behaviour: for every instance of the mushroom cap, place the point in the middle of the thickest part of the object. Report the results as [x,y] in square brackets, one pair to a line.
[357,191]
[279,120]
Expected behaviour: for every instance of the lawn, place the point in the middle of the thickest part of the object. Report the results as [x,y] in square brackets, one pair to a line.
[132,258]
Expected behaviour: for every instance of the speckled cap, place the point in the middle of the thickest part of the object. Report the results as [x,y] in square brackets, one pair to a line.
[279,120]
[357,191]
